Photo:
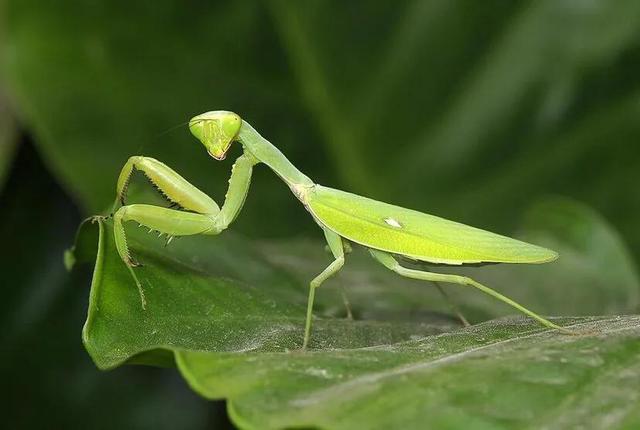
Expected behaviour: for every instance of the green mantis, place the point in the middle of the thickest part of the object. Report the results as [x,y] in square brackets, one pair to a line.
[387,231]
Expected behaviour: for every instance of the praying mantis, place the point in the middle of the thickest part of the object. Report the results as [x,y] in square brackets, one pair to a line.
[390,233]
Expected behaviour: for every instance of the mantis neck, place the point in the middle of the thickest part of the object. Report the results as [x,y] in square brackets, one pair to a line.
[266,153]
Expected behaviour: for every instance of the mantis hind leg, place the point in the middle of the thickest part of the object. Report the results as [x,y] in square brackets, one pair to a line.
[171,185]
[165,221]
[337,249]
[391,263]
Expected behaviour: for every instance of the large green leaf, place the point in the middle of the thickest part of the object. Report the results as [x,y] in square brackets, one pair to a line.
[239,339]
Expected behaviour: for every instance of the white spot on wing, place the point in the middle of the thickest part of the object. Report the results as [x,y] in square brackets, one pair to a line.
[392,222]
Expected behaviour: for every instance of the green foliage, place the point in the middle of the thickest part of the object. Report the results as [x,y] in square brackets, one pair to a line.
[468,110]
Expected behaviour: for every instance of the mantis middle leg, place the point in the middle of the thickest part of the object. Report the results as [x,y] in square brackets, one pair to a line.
[206,217]
[337,249]
[391,263]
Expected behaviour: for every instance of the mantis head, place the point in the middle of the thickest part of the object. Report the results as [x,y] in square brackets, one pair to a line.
[216,130]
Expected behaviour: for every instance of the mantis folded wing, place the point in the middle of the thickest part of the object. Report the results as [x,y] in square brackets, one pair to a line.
[384,229]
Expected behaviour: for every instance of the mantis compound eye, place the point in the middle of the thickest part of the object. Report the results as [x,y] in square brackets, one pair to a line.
[216,130]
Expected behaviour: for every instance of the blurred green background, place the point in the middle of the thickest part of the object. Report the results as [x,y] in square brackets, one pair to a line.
[470,110]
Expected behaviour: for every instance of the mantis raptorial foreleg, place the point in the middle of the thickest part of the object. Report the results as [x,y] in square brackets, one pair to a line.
[239,183]
[337,249]
[211,220]
[173,186]
[391,263]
